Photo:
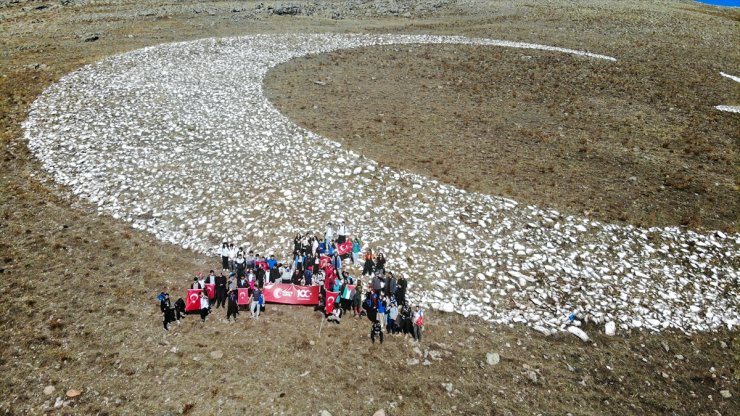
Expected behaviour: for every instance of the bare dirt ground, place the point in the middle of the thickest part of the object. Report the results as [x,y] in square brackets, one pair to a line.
[78,290]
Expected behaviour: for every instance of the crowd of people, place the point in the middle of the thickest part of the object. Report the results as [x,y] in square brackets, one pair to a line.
[330,263]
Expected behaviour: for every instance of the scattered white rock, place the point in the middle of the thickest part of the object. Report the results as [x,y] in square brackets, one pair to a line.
[493,358]
[49,390]
[610,328]
[579,333]
[725,393]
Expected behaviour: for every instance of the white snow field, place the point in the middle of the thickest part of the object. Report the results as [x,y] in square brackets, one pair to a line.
[180,141]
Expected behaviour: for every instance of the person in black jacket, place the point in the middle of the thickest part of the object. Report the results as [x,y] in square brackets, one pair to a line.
[220,291]
[168,314]
[376,331]
[233,306]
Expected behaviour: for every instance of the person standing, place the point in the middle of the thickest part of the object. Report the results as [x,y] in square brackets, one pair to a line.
[381,310]
[204,306]
[401,289]
[357,301]
[392,316]
[254,304]
[233,251]
[418,321]
[221,291]
[390,285]
[168,314]
[233,307]
[328,235]
[356,248]
[341,233]
[369,266]
[240,263]
[225,256]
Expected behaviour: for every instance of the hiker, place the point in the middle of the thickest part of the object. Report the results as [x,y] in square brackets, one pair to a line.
[168,314]
[376,331]
[233,305]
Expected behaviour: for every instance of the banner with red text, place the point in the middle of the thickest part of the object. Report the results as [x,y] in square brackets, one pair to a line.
[291,294]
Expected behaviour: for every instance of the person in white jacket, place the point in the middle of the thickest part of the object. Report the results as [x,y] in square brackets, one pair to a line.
[225,256]
[204,306]
[342,232]
[328,235]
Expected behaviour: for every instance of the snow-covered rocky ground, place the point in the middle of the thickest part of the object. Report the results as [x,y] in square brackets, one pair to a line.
[180,141]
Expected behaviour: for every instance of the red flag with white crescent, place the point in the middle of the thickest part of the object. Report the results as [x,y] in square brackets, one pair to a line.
[243,296]
[192,301]
[324,261]
[211,290]
[344,248]
[331,299]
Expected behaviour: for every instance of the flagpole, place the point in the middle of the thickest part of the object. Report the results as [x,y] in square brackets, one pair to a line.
[322,324]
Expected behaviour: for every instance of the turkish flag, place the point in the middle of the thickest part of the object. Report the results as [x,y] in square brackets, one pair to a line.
[243,296]
[192,303]
[211,290]
[324,261]
[331,299]
[344,248]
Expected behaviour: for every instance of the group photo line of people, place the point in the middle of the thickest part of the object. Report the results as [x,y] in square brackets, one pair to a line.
[326,263]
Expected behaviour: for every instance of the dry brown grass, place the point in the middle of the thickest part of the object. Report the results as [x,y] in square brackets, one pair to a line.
[78,290]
